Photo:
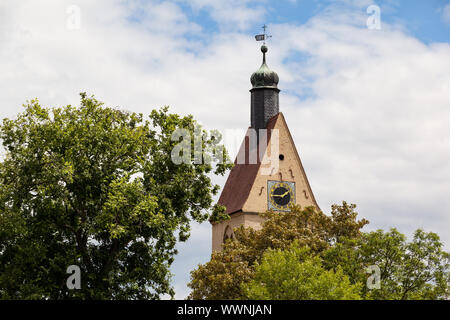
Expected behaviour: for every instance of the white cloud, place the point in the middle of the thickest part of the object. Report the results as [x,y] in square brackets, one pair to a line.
[374,130]
[164,17]
[232,14]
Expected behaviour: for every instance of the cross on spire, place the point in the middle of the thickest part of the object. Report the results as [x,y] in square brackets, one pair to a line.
[264,36]
[264,28]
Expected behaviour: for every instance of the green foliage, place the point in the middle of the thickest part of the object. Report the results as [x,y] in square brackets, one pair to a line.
[419,269]
[294,274]
[96,187]
[222,276]
[264,264]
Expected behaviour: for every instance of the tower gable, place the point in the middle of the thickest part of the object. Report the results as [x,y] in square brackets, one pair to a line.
[246,186]
[289,169]
[245,193]
[242,176]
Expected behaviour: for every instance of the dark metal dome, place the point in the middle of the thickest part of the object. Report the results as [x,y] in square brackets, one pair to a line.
[264,77]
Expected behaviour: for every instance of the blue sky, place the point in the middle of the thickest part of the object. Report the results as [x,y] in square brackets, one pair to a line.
[421,18]
[368,109]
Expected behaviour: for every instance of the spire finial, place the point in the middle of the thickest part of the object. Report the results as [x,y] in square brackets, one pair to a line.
[264,49]
[264,36]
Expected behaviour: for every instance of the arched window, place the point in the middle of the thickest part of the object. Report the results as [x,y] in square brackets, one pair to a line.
[228,234]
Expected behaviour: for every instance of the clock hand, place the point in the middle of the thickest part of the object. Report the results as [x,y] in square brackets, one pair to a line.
[281,195]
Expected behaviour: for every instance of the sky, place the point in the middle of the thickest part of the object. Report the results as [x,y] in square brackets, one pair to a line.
[367,103]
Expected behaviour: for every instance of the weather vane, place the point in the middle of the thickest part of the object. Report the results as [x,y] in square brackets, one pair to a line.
[264,36]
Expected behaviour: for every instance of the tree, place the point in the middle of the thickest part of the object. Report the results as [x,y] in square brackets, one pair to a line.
[415,270]
[222,277]
[293,274]
[338,249]
[96,187]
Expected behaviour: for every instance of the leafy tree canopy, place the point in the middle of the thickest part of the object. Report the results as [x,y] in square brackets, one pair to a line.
[221,278]
[96,187]
[275,261]
[415,270]
[293,274]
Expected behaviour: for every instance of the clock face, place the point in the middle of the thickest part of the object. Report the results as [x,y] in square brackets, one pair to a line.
[281,195]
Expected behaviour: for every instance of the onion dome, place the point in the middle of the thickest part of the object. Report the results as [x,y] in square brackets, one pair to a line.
[264,77]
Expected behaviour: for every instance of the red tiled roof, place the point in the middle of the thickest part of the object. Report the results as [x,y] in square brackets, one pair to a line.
[241,178]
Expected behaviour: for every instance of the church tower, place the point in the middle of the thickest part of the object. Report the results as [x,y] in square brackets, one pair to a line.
[268,173]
